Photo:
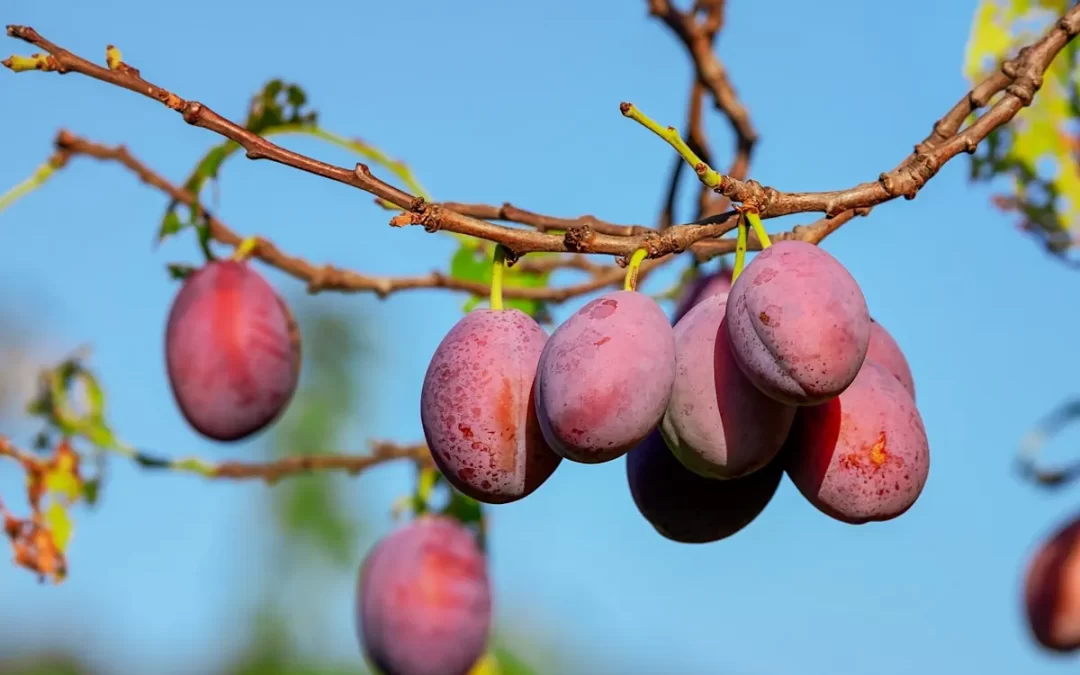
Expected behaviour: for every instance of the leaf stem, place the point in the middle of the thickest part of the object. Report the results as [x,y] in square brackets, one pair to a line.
[41,174]
[630,284]
[498,264]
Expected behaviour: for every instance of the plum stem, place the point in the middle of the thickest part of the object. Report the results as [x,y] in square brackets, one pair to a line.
[498,264]
[632,268]
[740,249]
[425,484]
[245,249]
[708,177]
[759,229]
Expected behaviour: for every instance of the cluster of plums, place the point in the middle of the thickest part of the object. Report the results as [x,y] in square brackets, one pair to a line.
[784,370]
[781,371]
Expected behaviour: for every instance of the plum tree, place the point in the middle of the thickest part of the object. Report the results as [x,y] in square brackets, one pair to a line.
[605,377]
[1052,590]
[477,406]
[787,351]
[232,351]
[884,351]
[798,323]
[717,423]
[862,456]
[691,509]
[424,600]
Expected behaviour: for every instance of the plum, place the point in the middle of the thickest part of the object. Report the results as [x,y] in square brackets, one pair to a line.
[605,377]
[1052,590]
[477,407]
[232,351]
[798,323]
[717,423]
[705,286]
[691,509]
[886,352]
[423,601]
[862,456]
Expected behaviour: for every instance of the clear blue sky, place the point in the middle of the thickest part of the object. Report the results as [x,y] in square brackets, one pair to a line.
[517,101]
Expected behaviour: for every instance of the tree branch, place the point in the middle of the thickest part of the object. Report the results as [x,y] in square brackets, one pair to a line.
[328,277]
[433,217]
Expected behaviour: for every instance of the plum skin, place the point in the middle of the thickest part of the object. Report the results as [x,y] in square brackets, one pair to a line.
[424,603]
[885,351]
[688,508]
[863,456]
[798,323]
[605,377]
[1052,590]
[477,409]
[717,423]
[232,351]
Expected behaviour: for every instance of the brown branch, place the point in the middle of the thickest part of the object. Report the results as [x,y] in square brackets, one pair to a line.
[542,223]
[328,277]
[271,472]
[699,38]
[1021,76]
[432,217]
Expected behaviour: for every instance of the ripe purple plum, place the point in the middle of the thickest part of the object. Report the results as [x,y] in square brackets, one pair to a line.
[232,351]
[477,407]
[1052,590]
[862,456]
[705,286]
[717,423]
[605,377]
[424,600]
[798,323]
[886,352]
[691,509]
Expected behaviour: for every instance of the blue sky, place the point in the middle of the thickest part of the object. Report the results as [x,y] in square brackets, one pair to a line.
[497,101]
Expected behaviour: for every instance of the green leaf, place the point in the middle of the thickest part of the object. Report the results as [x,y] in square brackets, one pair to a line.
[473,261]
[180,271]
[59,524]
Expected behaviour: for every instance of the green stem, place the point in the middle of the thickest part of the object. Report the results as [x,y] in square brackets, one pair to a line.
[245,249]
[497,266]
[759,229]
[705,174]
[740,249]
[41,174]
[632,269]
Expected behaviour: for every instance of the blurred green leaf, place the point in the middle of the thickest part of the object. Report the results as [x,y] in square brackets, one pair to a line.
[473,263]
[310,507]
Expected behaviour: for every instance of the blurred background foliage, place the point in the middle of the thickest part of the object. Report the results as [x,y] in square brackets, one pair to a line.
[316,528]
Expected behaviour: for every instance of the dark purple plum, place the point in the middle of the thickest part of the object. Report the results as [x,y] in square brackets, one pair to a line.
[862,456]
[886,353]
[232,351]
[691,509]
[798,323]
[605,377]
[477,408]
[717,423]
[1052,590]
[705,286]
[424,600]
